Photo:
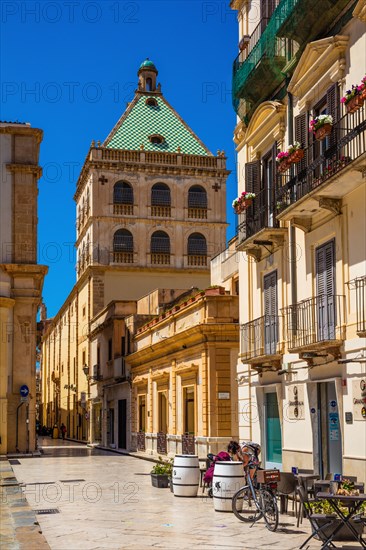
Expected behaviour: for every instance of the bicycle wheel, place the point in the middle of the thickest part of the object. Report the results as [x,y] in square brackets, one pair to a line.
[244,506]
[269,508]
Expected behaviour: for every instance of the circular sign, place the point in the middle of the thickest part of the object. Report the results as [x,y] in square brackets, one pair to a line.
[312,410]
[333,403]
[363,385]
[24,391]
[363,412]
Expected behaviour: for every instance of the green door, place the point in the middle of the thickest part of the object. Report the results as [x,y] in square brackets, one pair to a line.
[273,433]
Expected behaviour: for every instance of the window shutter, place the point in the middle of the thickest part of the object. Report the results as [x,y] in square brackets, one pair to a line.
[270,293]
[301,135]
[333,109]
[325,271]
[253,185]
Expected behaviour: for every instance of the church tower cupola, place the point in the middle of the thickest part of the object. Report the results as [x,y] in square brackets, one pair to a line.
[147,74]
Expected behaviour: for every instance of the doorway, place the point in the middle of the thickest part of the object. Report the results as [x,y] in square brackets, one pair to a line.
[329,443]
[122,423]
[273,438]
[188,396]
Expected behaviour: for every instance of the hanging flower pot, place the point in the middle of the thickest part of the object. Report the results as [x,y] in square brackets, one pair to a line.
[284,165]
[296,156]
[363,93]
[324,131]
[354,104]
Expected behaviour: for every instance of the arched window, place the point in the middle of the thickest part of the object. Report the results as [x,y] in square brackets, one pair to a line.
[148,84]
[160,248]
[197,249]
[160,200]
[123,246]
[197,202]
[151,102]
[122,198]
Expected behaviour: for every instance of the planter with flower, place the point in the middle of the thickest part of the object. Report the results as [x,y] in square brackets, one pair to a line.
[243,201]
[363,88]
[353,98]
[321,126]
[296,152]
[161,473]
[283,161]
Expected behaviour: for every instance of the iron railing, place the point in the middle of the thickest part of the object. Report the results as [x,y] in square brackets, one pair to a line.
[260,337]
[254,38]
[359,284]
[323,160]
[315,321]
[123,195]
[160,245]
[160,197]
[188,444]
[197,199]
[161,443]
[259,215]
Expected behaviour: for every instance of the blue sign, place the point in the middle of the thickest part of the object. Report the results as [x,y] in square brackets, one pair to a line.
[24,391]
[333,404]
[295,470]
[337,477]
[312,410]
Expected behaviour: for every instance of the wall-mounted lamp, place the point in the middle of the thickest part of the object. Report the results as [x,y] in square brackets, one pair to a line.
[95,369]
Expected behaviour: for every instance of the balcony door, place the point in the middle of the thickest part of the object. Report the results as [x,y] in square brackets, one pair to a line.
[273,437]
[325,289]
[270,313]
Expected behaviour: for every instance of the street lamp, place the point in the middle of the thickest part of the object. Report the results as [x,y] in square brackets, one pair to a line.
[95,369]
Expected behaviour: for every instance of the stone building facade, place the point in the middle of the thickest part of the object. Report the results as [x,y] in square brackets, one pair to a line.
[21,282]
[150,203]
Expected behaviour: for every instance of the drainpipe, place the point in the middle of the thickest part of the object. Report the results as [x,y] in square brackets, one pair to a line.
[293,269]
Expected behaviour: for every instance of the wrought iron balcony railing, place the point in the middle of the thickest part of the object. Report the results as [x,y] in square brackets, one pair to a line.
[323,160]
[259,215]
[261,337]
[314,322]
[359,285]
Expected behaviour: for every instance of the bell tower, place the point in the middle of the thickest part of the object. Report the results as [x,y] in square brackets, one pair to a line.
[147,74]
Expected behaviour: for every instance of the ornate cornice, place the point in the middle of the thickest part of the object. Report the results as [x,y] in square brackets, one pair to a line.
[23,131]
[25,169]
[7,303]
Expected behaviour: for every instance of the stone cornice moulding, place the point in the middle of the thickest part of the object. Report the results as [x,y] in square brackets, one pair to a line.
[159,375]
[25,169]
[23,131]
[322,63]
[266,126]
[140,380]
[6,302]
[360,10]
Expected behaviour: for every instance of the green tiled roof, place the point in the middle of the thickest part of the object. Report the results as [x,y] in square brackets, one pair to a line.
[141,121]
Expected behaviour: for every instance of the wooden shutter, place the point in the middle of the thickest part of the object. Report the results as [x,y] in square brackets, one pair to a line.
[270,313]
[253,185]
[301,135]
[325,269]
[333,109]
[325,284]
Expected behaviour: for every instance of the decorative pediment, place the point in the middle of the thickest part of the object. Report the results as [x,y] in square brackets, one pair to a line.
[322,63]
[157,375]
[140,380]
[186,369]
[266,126]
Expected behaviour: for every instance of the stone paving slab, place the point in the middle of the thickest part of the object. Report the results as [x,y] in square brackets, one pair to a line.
[117,508]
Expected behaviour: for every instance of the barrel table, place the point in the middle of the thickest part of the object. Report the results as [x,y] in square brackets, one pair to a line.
[186,475]
[228,478]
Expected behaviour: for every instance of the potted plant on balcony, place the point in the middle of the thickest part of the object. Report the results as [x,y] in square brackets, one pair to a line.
[321,126]
[353,99]
[363,88]
[283,161]
[161,473]
[296,153]
[243,201]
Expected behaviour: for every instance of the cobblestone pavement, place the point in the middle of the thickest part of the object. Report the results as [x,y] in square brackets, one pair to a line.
[105,500]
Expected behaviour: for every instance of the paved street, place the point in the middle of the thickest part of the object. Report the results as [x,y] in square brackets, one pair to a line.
[105,500]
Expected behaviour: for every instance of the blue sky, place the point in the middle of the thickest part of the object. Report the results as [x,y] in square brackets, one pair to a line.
[70,67]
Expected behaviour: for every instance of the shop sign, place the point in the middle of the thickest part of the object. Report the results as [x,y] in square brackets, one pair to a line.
[296,402]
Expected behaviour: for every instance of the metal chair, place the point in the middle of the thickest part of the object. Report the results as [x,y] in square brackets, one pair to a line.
[318,530]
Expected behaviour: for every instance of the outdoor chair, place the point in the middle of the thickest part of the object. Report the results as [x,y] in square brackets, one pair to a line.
[319,522]
[286,487]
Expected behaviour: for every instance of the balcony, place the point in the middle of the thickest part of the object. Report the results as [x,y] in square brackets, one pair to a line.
[315,324]
[161,211]
[123,257]
[320,15]
[260,341]
[258,227]
[359,285]
[257,71]
[323,177]
[160,258]
[123,209]
[196,260]
[197,213]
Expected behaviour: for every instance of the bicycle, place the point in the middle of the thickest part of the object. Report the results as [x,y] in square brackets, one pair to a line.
[256,499]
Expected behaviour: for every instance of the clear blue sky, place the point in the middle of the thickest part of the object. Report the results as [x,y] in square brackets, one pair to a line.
[70,67]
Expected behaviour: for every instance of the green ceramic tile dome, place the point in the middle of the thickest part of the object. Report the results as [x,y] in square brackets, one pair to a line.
[142,120]
[147,64]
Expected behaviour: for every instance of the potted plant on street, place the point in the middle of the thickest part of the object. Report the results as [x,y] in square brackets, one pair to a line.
[161,473]
[321,126]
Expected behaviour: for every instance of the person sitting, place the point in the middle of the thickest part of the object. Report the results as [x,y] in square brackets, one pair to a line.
[247,453]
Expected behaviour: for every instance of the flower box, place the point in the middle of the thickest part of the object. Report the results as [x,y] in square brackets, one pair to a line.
[284,165]
[324,131]
[161,481]
[354,104]
[296,156]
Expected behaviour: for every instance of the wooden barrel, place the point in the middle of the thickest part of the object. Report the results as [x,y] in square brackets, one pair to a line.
[228,478]
[186,475]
